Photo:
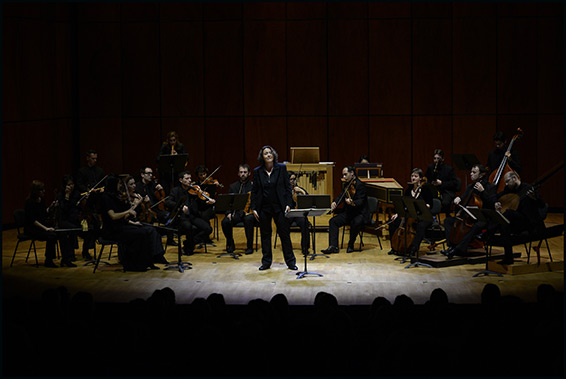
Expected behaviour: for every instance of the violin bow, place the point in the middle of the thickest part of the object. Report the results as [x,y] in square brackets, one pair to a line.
[92,189]
[345,191]
[210,176]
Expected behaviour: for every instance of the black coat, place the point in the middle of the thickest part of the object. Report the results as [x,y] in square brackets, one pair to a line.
[283,187]
[360,200]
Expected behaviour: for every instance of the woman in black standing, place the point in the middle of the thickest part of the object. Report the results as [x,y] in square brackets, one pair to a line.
[271,198]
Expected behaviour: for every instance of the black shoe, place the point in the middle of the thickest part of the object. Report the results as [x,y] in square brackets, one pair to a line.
[331,250]
[249,251]
[263,267]
[172,242]
[293,267]
[68,264]
[350,249]
[391,252]
[87,256]
[49,263]
[506,262]
[187,251]
[230,249]
[450,252]
[160,259]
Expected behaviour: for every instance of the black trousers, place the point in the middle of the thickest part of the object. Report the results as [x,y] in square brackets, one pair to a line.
[356,224]
[266,214]
[49,237]
[462,246]
[249,222]
[304,225]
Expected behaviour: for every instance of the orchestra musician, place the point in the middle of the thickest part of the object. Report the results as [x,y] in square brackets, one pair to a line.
[157,251]
[271,198]
[150,191]
[87,178]
[68,217]
[443,178]
[301,222]
[243,185]
[496,155]
[118,224]
[487,192]
[172,146]
[91,174]
[181,203]
[524,210]
[39,226]
[356,211]
[417,190]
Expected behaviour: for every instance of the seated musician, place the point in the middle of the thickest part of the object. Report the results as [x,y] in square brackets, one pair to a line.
[522,206]
[243,185]
[182,205]
[416,190]
[487,192]
[69,217]
[157,251]
[443,178]
[118,225]
[205,207]
[356,211]
[39,224]
[150,190]
[301,222]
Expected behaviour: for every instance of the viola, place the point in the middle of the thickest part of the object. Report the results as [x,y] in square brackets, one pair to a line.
[196,190]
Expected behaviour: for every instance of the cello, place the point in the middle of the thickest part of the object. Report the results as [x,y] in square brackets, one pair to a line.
[464,220]
[405,233]
[504,168]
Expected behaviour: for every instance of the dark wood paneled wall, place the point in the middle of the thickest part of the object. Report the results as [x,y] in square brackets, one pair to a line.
[392,80]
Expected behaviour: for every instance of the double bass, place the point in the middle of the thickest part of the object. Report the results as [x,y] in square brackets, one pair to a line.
[504,168]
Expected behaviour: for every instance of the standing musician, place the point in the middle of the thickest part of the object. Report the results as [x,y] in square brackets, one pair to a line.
[172,146]
[118,224]
[40,226]
[181,203]
[356,211]
[152,193]
[416,190]
[495,156]
[443,178]
[487,192]
[87,178]
[243,185]
[301,222]
[68,217]
[523,207]
[271,199]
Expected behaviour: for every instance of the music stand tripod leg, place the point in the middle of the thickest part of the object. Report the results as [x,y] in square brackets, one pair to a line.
[486,271]
[301,274]
[179,265]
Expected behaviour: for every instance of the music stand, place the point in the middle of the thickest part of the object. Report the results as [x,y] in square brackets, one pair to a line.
[310,205]
[231,202]
[315,204]
[465,162]
[369,170]
[424,214]
[179,265]
[489,215]
[169,164]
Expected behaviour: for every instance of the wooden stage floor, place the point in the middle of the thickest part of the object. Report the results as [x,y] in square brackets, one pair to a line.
[355,279]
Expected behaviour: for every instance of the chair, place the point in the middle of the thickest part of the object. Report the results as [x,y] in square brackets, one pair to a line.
[256,232]
[373,204]
[102,242]
[436,231]
[20,218]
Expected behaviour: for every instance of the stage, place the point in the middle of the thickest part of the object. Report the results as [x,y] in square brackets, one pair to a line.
[355,279]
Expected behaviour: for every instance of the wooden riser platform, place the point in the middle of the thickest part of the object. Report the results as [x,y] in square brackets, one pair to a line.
[476,256]
[520,268]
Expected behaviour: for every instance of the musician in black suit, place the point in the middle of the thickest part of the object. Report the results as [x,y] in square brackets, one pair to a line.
[243,185]
[271,198]
[527,216]
[495,156]
[443,178]
[356,211]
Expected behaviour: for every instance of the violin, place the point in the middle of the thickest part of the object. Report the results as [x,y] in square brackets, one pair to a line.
[99,189]
[196,190]
[345,192]
[212,182]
